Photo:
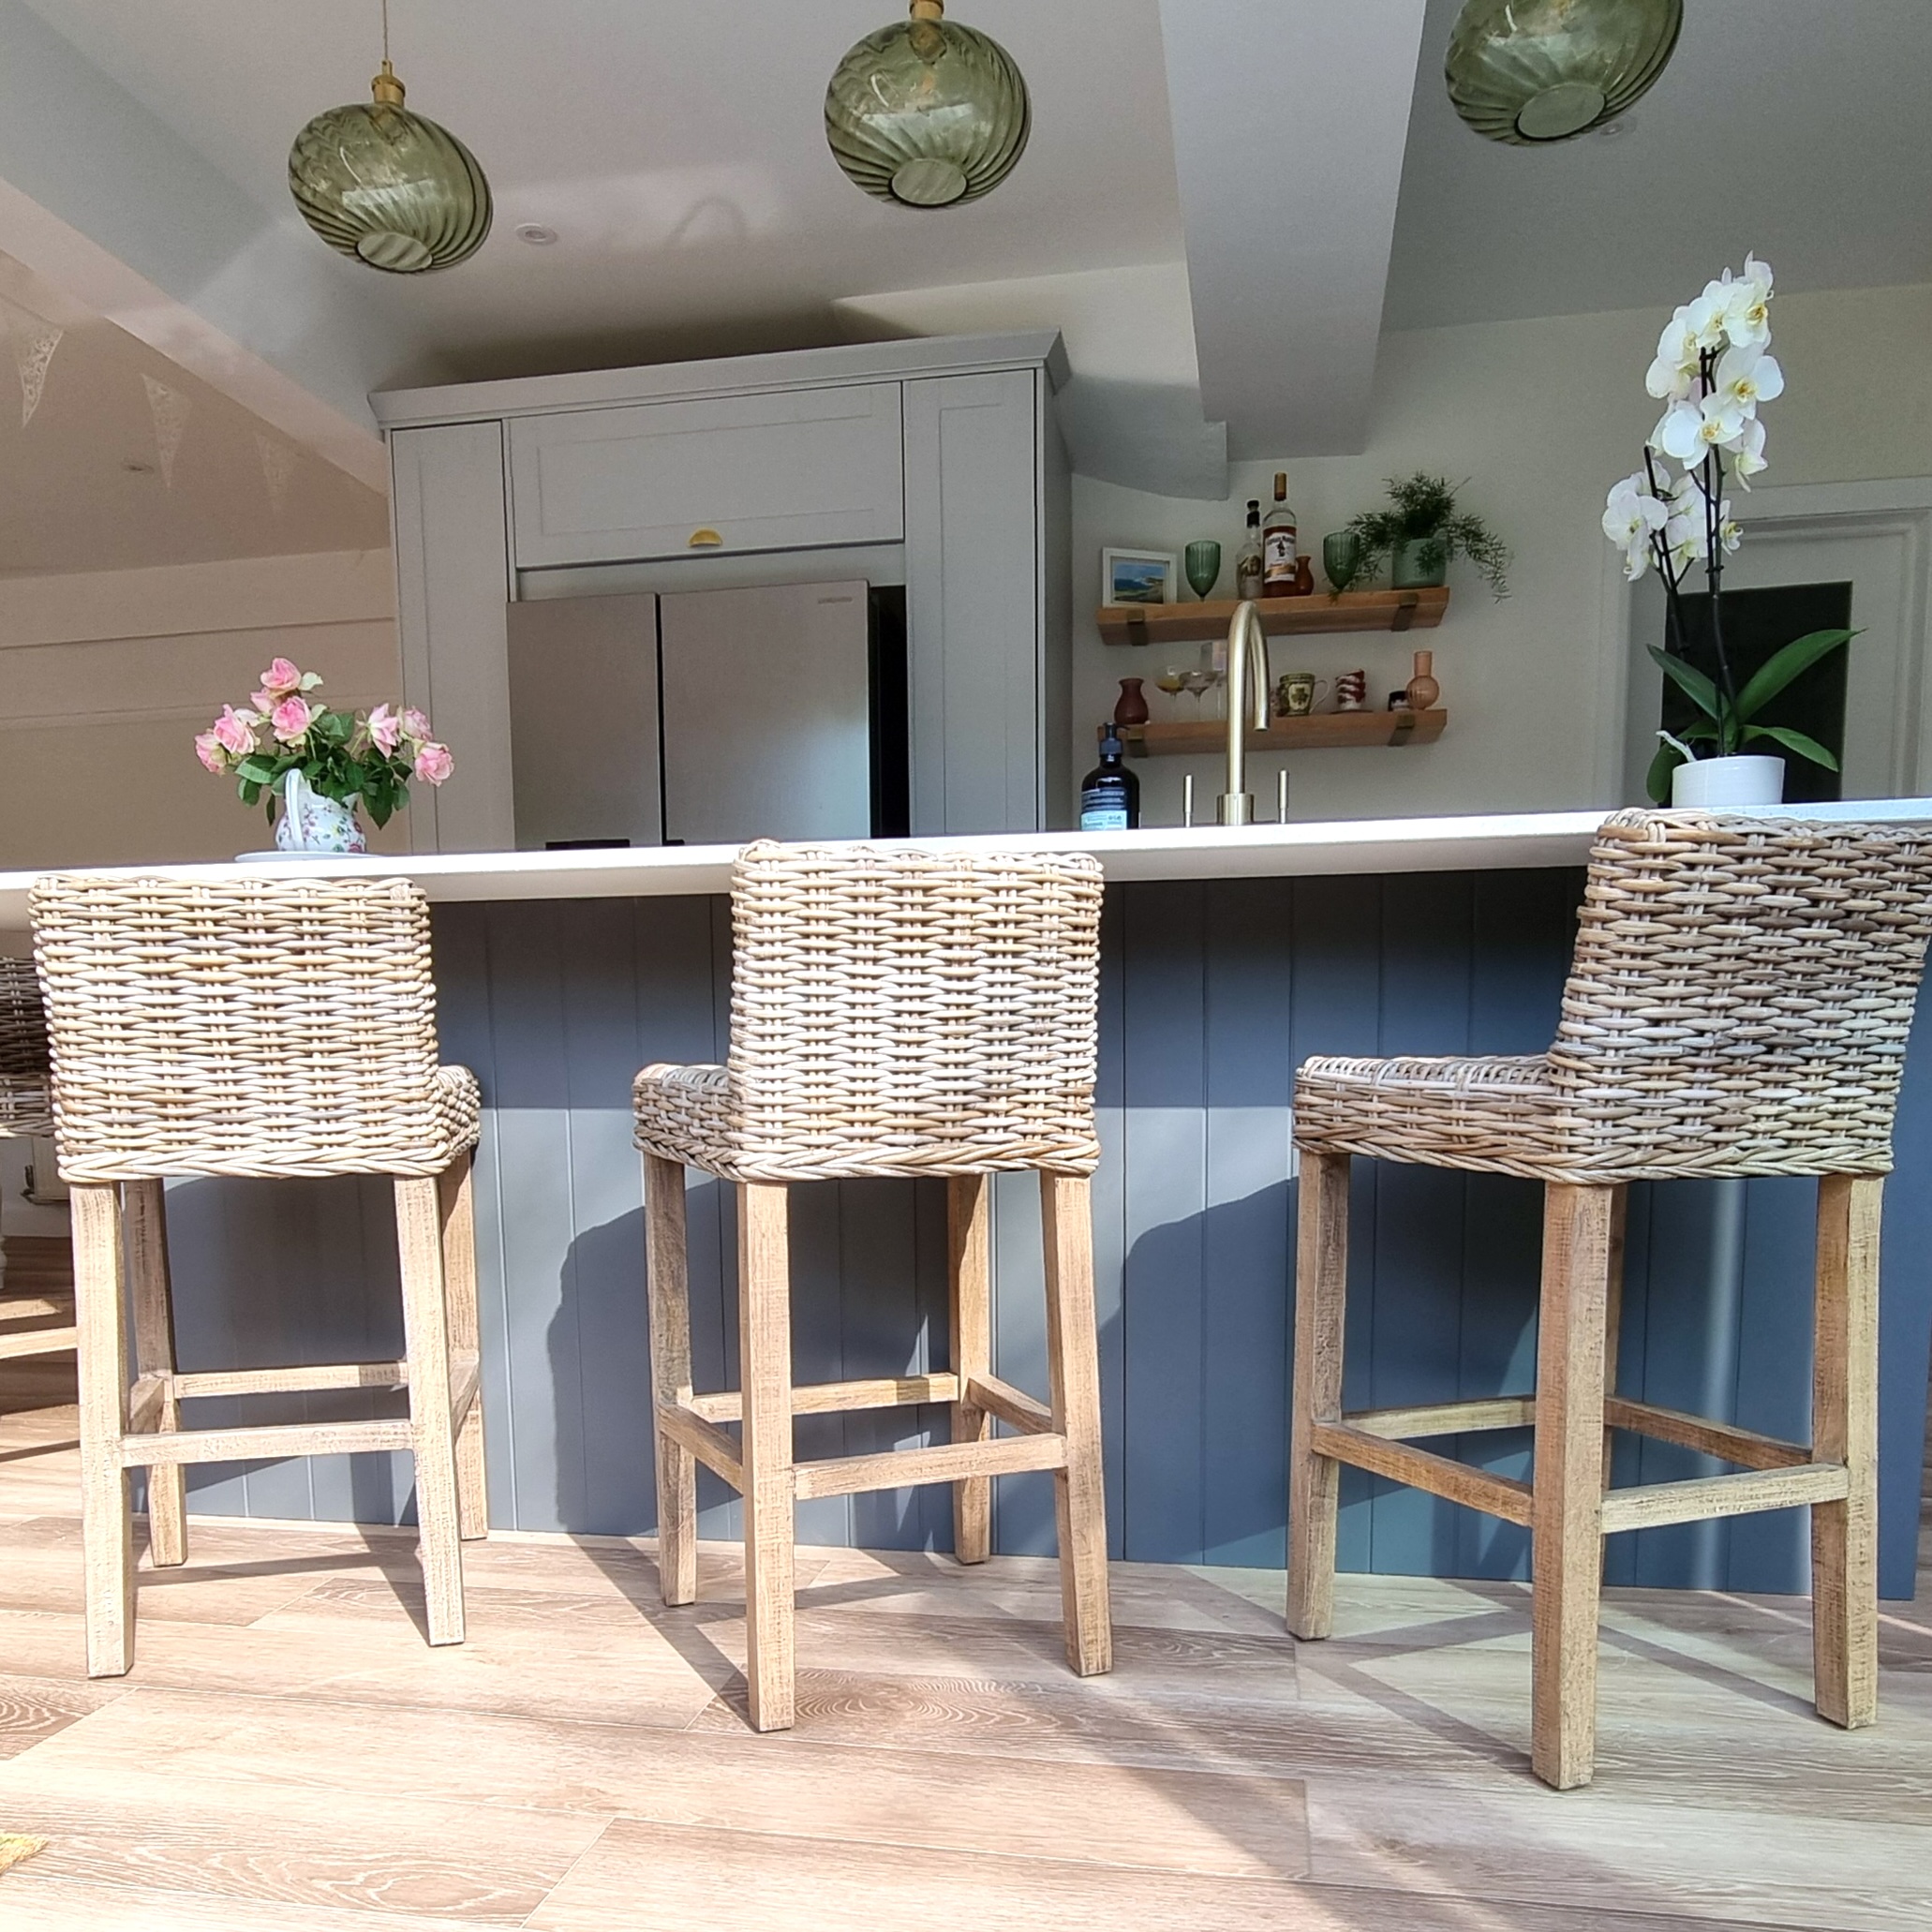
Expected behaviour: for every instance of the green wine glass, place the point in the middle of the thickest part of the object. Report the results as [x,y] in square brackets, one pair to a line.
[1203,565]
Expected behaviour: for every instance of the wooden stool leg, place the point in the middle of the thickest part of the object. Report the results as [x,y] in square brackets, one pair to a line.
[1845,1429]
[1073,1367]
[426,1342]
[1567,1511]
[456,1208]
[765,1352]
[670,1364]
[107,1519]
[968,1199]
[144,1205]
[1321,1292]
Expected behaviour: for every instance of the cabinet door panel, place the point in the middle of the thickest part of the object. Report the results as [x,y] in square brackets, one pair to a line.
[974,602]
[453,602]
[584,719]
[794,470]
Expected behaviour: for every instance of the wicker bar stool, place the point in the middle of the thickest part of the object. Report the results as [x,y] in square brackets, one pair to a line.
[267,1028]
[26,1110]
[1738,1005]
[894,1012]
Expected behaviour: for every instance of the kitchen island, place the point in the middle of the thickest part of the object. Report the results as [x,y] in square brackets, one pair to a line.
[1229,956]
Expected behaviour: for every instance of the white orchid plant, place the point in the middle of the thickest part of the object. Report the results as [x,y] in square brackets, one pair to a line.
[1714,367]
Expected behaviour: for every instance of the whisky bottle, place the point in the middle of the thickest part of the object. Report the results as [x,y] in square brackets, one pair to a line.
[1280,548]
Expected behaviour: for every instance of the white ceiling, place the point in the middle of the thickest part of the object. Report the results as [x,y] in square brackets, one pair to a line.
[1791,126]
[83,487]
[677,149]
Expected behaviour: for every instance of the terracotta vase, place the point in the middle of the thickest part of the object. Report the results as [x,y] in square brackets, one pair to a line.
[1132,706]
[1423,689]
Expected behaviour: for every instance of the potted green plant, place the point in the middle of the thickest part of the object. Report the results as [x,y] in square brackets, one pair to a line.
[1421,531]
[1714,367]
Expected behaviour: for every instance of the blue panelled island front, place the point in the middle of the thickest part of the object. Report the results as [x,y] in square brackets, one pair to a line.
[1213,990]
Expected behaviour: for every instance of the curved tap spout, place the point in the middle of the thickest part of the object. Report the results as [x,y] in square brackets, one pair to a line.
[1247,698]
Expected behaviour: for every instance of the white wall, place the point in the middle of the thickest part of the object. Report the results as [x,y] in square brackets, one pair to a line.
[105,679]
[1540,417]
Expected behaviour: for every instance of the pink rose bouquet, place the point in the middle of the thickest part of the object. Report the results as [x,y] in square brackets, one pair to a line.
[357,759]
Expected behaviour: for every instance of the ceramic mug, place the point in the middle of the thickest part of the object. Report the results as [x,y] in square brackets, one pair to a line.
[1298,692]
[1352,690]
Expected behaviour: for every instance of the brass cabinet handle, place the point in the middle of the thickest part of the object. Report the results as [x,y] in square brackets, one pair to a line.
[704,540]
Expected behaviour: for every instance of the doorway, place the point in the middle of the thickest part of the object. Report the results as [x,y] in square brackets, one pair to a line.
[1815,557]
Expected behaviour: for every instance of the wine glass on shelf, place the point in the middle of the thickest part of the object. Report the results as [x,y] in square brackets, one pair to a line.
[1202,562]
[1196,684]
[1173,681]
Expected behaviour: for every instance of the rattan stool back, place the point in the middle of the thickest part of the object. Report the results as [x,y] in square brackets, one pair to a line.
[1741,994]
[26,1106]
[908,1011]
[251,1027]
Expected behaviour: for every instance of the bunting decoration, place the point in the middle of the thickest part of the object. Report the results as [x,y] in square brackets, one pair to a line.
[169,408]
[33,341]
[278,468]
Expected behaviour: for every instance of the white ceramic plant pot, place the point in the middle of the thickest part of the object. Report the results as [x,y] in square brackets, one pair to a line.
[311,823]
[1735,782]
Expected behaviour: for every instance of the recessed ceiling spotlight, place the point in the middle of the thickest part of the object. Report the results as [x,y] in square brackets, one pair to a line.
[535,235]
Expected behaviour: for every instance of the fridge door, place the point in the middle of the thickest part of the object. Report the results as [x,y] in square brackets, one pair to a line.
[766,714]
[584,721]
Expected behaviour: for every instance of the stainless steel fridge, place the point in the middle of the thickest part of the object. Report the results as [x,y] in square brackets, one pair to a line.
[709,716]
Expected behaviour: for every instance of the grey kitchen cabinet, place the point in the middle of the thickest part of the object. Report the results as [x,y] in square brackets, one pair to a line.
[453,607]
[935,463]
[798,469]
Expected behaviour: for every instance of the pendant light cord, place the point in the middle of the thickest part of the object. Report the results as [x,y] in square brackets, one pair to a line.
[385,33]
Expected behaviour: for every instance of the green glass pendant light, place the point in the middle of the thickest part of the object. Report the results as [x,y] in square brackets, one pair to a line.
[390,187]
[1531,71]
[927,112]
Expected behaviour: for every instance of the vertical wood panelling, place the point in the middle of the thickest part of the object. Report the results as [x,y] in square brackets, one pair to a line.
[1211,993]
[1165,1152]
[1247,1265]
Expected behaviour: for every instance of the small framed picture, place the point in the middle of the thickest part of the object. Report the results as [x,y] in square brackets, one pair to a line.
[1139,576]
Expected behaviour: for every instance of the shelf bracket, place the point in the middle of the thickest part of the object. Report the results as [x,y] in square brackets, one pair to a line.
[1405,728]
[1136,626]
[1404,612]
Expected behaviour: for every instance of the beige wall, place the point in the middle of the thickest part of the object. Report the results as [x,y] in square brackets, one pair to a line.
[105,679]
[1540,417]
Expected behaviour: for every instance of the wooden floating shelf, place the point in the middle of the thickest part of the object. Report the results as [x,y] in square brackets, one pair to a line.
[1281,616]
[1321,730]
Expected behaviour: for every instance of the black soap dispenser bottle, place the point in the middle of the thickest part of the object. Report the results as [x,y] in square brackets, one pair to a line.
[1110,794]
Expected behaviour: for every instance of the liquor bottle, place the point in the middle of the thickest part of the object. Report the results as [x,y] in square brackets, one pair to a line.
[1248,565]
[1110,794]
[1280,548]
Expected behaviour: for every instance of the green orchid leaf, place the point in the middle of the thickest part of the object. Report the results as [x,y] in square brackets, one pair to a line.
[1657,783]
[1794,741]
[1690,681]
[1793,660]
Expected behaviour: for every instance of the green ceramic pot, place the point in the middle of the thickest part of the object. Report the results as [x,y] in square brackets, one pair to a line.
[1422,564]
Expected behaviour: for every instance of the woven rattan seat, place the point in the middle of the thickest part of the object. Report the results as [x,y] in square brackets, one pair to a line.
[254,1028]
[896,1011]
[1738,1005]
[26,1091]
[27,1109]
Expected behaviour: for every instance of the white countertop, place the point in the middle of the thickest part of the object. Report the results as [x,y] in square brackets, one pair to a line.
[1492,841]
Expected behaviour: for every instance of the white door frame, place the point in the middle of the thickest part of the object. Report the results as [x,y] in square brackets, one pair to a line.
[1895,506]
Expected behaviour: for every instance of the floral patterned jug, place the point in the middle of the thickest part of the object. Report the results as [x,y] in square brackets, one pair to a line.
[311,823]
